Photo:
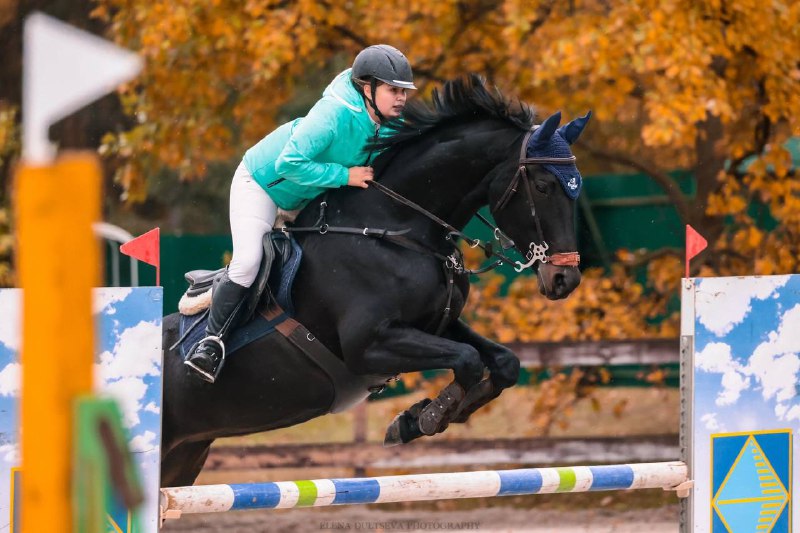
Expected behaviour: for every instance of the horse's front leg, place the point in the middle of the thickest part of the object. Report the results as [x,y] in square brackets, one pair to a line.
[502,363]
[399,349]
[181,465]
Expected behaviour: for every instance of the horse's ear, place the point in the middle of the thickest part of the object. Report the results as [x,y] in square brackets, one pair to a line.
[545,131]
[570,132]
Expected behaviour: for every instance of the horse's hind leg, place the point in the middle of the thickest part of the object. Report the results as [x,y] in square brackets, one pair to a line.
[182,464]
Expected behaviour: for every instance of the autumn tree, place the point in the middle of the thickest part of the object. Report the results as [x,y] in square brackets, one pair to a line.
[709,86]
[712,87]
[81,130]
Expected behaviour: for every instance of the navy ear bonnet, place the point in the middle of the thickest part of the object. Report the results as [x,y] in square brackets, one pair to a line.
[547,141]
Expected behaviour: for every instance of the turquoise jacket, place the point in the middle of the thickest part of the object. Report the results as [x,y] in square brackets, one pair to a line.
[302,158]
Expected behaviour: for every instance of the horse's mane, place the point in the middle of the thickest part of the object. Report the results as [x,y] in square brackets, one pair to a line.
[459,99]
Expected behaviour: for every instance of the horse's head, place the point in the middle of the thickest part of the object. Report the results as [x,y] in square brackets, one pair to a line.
[536,205]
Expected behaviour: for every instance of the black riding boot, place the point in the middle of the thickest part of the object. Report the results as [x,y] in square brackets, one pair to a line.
[209,355]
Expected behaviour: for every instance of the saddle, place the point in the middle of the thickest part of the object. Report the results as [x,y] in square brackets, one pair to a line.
[279,264]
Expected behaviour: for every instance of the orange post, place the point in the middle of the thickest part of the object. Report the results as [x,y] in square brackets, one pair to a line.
[58,264]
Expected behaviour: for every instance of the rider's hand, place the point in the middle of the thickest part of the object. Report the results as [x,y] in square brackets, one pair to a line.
[359,176]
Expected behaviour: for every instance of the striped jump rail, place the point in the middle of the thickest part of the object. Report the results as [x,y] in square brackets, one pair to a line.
[417,487]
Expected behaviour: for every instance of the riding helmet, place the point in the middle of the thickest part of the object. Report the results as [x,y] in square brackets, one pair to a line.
[385,63]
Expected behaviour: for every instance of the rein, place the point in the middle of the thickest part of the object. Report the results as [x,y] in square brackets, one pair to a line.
[454,261]
[536,252]
[453,233]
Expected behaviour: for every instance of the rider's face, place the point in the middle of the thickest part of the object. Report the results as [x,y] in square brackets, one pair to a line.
[390,100]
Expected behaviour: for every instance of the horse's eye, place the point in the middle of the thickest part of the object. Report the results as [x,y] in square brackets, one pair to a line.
[541,186]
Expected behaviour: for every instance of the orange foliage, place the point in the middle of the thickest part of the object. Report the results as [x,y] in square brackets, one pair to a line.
[604,306]
[6,249]
[9,132]
[217,72]
[9,144]
[673,84]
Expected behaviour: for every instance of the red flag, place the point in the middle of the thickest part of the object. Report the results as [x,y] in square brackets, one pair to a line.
[695,243]
[145,248]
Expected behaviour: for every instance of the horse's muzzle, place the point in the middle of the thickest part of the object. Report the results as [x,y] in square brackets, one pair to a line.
[558,282]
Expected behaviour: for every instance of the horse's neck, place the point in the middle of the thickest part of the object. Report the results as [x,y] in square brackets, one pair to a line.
[447,177]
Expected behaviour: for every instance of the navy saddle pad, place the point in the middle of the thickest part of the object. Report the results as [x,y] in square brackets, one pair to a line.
[194,326]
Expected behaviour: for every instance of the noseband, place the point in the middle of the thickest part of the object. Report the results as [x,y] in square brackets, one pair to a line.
[536,252]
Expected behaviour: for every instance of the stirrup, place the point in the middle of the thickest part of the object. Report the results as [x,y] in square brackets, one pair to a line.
[211,378]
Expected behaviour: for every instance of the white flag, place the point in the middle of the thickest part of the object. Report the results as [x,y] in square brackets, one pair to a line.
[64,69]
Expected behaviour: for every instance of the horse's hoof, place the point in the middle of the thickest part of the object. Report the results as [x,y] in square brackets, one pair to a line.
[393,437]
[403,429]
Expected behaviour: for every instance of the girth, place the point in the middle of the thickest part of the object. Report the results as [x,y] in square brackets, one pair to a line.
[349,388]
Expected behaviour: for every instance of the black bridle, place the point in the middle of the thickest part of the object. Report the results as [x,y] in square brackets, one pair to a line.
[536,251]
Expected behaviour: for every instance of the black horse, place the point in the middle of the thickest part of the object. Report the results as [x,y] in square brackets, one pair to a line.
[385,308]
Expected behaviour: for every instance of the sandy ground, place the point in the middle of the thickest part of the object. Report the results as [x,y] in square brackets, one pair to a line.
[485,520]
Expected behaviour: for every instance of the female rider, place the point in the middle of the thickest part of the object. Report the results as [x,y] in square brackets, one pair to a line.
[292,165]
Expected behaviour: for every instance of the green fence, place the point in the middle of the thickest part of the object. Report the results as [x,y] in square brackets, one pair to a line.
[179,254]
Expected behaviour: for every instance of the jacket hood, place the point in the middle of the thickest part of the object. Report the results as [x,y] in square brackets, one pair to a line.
[341,90]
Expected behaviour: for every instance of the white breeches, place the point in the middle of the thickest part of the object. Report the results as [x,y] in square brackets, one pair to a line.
[252,214]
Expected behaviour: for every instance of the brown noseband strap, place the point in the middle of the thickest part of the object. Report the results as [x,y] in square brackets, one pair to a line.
[566,259]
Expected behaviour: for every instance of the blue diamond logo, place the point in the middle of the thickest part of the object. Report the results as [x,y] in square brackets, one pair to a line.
[752,496]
